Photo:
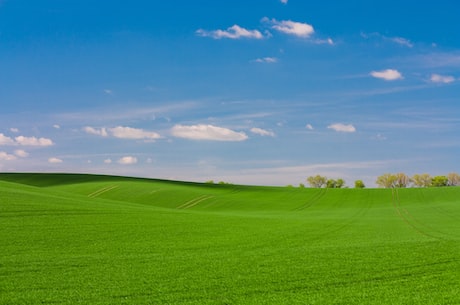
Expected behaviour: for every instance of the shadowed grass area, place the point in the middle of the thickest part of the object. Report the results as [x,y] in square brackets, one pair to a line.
[89,239]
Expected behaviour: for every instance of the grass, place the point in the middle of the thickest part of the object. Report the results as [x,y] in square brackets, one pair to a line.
[88,239]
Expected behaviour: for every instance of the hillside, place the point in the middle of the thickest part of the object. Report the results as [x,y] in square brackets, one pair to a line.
[91,239]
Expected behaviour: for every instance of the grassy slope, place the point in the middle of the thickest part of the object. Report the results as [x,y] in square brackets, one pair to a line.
[79,239]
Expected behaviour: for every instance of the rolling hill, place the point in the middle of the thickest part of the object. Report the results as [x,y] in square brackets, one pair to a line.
[93,239]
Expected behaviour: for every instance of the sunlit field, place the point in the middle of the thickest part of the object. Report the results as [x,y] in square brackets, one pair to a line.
[88,239]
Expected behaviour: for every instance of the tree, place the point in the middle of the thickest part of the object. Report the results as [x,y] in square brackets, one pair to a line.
[359,184]
[331,183]
[339,183]
[422,180]
[439,181]
[402,180]
[386,180]
[317,181]
[453,179]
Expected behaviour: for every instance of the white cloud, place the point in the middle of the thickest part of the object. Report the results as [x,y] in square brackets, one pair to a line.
[4,140]
[54,160]
[262,132]
[309,127]
[56,126]
[127,160]
[339,127]
[108,91]
[25,141]
[207,132]
[284,1]
[388,74]
[446,79]
[268,60]
[133,133]
[233,32]
[7,157]
[402,41]
[290,27]
[21,153]
[108,161]
[14,130]
[328,41]
[95,131]
[33,141]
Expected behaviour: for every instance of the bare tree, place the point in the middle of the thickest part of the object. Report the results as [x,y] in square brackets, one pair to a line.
[422,180]
[453,179]
[402,180]
[386,180]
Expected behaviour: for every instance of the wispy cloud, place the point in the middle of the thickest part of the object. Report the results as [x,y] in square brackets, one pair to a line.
[33,141]
[299,29]
[133,133]
[309,127]
[96,131]
[268,60]
[339,127]
[397,40]
[207,132]
[15,130]
[127,160]
[4,140]
[21,153]
[284,1]
[54,160]
[25,141]
[262,132]
[445,79]
[7,157]
[123,132]
[388,74]
[233,32]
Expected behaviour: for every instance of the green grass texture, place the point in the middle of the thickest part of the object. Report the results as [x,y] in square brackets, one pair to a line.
[93,239]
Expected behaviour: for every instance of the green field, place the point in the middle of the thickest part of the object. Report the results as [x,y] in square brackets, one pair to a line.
[88,239]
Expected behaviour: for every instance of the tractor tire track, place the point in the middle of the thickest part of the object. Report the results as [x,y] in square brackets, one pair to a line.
[102,191]
[194,202]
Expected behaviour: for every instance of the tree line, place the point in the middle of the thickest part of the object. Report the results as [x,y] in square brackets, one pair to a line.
[389,180]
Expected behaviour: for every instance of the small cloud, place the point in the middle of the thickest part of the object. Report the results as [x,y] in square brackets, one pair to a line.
[290,27]
[33,141]
[21,153]
[56,126]
[267,60]
[262,132]
[133,133]
[108,161]
[207,132]
[309,127]
[445,79]
[95,131]
[233,32]
[128,160]
[379,137]
[54,160]
[388,74]
[7,157]
[15,130]
[149,161]
[339,127]
[108,91]
[328,41]
[402,41]
[284,1]
[4,140]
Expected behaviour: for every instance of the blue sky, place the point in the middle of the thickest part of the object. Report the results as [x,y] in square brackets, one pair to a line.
[253,92]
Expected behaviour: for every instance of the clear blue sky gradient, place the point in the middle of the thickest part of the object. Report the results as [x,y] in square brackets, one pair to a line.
[251,92]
